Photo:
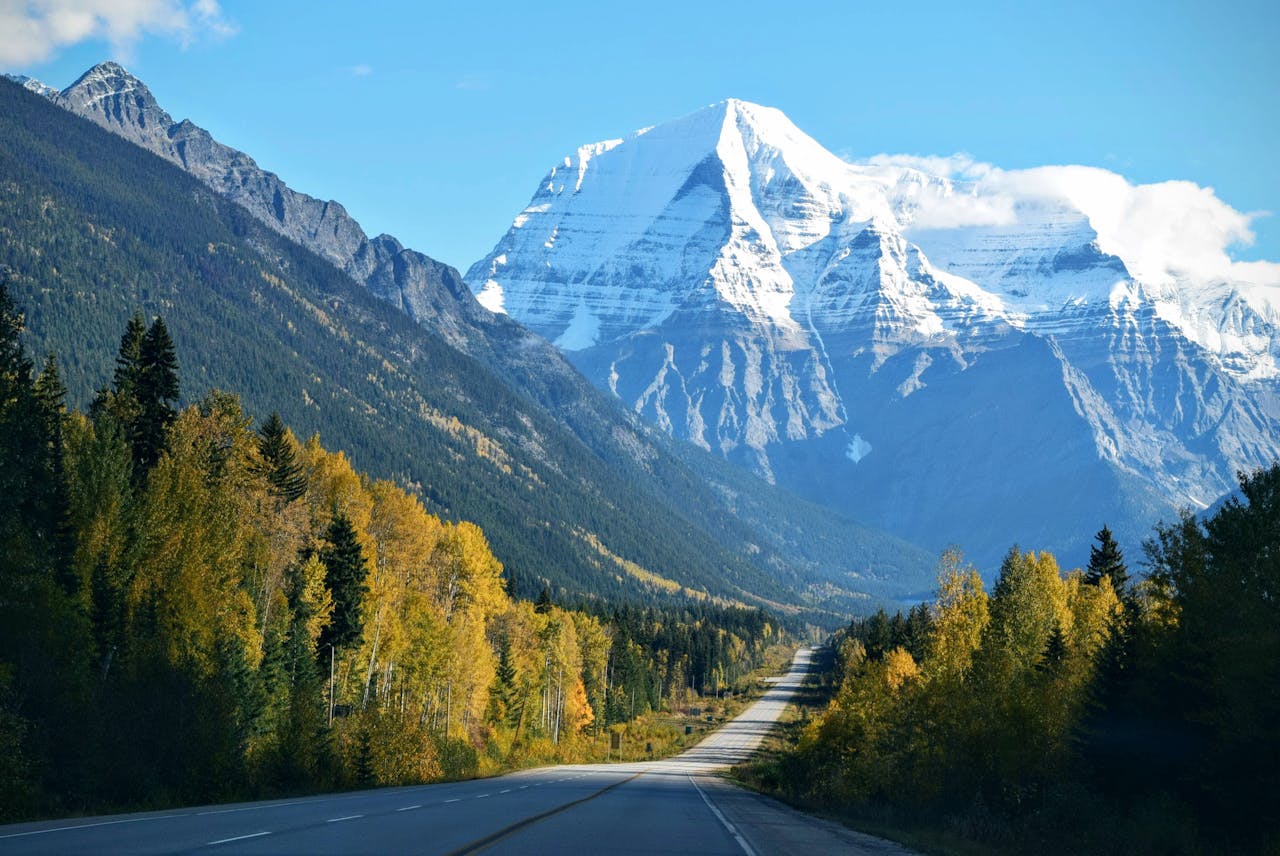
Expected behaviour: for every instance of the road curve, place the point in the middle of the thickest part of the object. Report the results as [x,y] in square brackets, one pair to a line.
[677,805]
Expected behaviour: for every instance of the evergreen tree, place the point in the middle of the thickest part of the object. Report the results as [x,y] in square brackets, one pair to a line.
[50,395]
[157,394]
[128,374]
[1055,652]
[345,573]
[280,462]
[504,701]
[1107,560]
[543,604]
[28,521]
[144,390]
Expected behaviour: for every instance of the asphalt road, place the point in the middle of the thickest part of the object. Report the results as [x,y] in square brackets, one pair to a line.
[676,805]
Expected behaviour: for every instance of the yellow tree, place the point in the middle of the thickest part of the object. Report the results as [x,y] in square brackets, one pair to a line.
[960,615]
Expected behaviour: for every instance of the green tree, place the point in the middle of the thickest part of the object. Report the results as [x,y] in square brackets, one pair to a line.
[280,460]
[157,394]
[345,573]
[144,390]
[1107,560]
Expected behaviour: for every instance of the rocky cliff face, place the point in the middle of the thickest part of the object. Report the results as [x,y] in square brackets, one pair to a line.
[741,287]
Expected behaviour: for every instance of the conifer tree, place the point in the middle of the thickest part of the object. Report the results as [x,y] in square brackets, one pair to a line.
[50,394]
[345,574]
[1107,560]
[280,462]
[27,525]
[157,394]
[503,698]
[128,374]
[1055,651]
[543,604]
[145,387]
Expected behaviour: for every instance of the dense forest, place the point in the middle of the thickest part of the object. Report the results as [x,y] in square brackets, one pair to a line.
[193,608]
[1092,711]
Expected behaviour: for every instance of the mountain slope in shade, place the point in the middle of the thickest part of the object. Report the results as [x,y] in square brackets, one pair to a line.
[634,473]
[738,285]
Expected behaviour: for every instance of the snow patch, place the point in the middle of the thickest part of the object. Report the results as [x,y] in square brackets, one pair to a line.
[492,298]
[858,449]
[583,330]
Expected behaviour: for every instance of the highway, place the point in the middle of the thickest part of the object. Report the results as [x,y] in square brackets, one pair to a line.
[677,805]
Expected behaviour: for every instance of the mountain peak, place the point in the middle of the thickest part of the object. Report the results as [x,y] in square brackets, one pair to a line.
[110,75]
[111,96]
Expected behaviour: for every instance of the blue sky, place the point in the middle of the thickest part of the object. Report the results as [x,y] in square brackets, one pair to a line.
[434,122]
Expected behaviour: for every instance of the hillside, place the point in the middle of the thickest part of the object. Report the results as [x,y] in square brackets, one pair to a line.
[94,227]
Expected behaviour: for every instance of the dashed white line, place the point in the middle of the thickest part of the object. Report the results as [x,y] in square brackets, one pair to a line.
[507,791]
[455,799]
[237,838]
[524,787]
[409,808]
[481,796]
[340,819]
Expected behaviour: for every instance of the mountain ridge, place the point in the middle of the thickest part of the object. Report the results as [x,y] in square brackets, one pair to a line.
[714,496]
[731,280]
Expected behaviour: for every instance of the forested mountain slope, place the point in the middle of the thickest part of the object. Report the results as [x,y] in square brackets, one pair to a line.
[94,228]
[434,294]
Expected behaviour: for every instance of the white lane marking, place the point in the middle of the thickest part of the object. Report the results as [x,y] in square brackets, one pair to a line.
[247,808]
[455,799]
[737,836]
[340,819]
[91,825]
[481,796]
[409,808]
[524,787]
[237,838]
[507,791]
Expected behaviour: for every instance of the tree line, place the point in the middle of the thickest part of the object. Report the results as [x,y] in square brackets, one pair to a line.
[1089,711]
[193,608]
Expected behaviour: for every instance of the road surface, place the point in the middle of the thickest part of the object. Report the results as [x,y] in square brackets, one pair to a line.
[677,805]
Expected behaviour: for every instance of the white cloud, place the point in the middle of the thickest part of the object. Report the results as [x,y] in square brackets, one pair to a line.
[33,30]
[361,70]
[959,165]
[1169,227]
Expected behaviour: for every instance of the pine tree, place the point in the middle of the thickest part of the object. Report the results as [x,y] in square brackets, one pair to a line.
[157,394]
[543,604]
[1107,560]
[26,524]
[144,390]
[1055,652]
[280,462]
[50,393]
[345,573]
[128,374]
[503,697]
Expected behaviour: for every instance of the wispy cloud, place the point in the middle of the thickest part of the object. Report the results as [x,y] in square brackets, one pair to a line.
[360,70]
[1169,227]
[33,30]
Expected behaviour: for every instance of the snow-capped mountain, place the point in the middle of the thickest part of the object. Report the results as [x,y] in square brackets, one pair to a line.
[958,366]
